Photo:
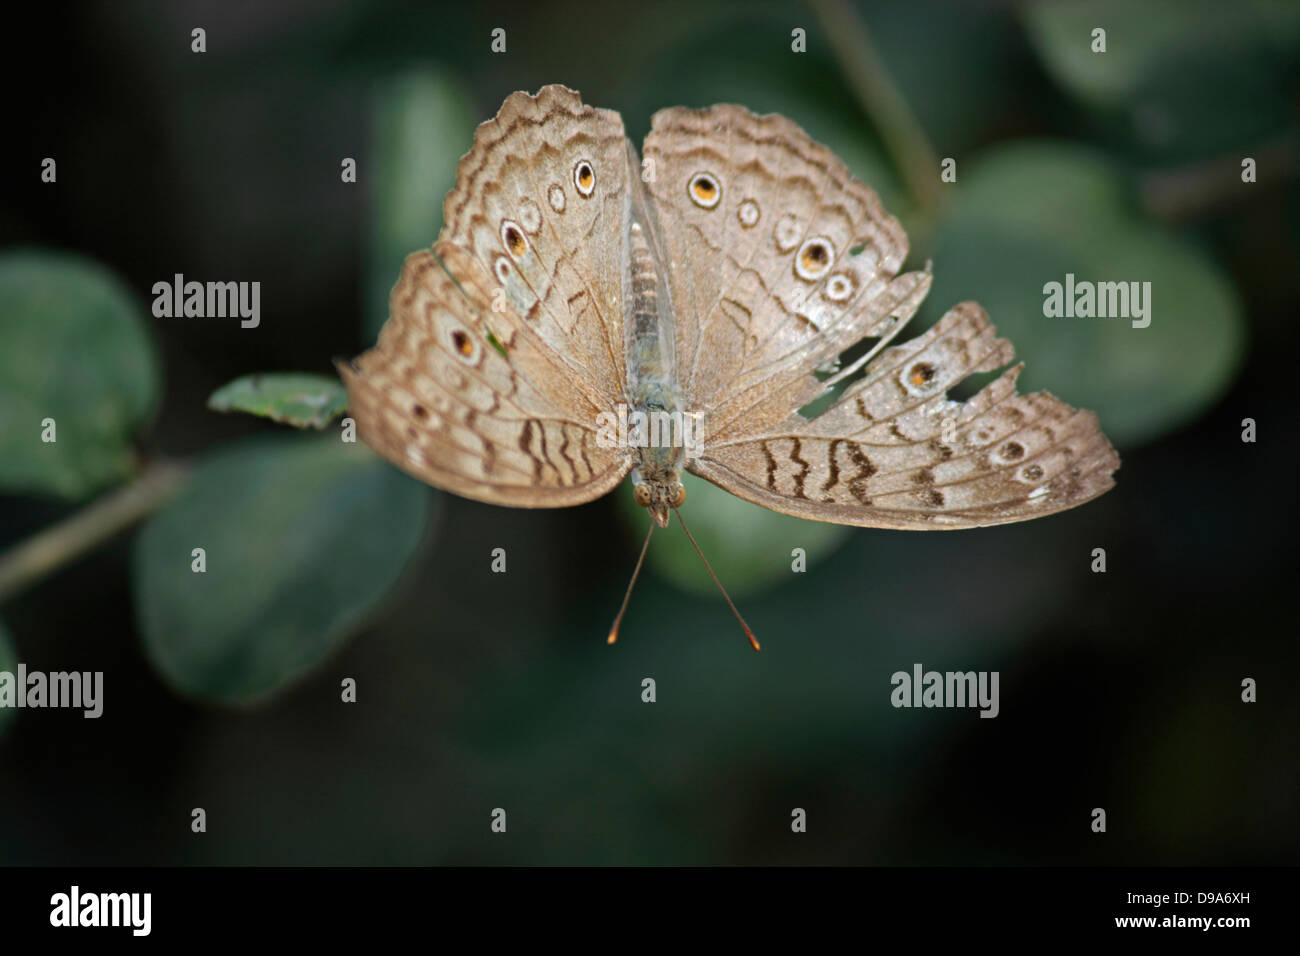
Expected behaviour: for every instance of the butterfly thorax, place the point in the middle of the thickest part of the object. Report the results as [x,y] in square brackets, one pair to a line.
[653,397]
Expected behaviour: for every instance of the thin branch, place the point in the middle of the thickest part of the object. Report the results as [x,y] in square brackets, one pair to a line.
[47,551]
[1199,189]
[862,66]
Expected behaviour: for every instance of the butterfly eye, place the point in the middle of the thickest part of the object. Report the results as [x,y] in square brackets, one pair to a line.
[584,178]
[513,238]
[641,494]
[704,190]
[814,258]
[679,496]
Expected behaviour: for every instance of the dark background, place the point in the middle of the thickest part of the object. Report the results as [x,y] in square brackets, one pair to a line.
[1118,690]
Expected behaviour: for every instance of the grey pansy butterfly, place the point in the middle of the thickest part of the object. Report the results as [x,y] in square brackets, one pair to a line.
[577,298]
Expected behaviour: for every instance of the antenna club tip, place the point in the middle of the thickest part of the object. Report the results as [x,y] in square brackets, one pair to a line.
[613,636]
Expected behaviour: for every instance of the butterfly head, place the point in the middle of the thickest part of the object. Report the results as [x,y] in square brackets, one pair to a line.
[658,490]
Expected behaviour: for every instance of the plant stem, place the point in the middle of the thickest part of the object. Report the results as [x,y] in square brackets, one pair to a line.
[49,550]
[903,136]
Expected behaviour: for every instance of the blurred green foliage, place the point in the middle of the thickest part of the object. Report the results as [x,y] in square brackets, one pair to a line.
[422,126]
[1180,79]
[1033,212]
[75,350]
[302,539]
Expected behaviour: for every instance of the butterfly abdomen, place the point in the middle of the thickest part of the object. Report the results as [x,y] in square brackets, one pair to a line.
[652,391]
[645,345]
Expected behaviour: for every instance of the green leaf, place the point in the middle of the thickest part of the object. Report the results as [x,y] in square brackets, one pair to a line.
[293,398]
[74,348]
[749,547]
[1182,77]
[8,662]
[422,128]
[302,537]
[1029,214]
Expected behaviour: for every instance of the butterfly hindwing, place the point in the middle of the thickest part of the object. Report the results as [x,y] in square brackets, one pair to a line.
[895,452]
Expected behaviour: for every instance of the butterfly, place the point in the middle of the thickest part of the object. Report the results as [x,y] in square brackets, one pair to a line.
[704,293]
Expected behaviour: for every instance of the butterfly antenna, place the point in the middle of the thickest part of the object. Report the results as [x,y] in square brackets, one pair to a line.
[613,631]
[753,641]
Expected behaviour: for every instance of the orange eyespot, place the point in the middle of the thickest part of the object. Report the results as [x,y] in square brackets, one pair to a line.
[814,259]
[922,373]
[584,177]
[704,190]
[514,240]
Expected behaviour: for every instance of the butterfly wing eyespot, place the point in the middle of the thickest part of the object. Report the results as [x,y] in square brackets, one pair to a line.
[704,190]
[786,232]
[465,347]
[1011,451]
[839,287]
[555,196]
[814,258]
[918,377]
[584,178]
[512,237]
